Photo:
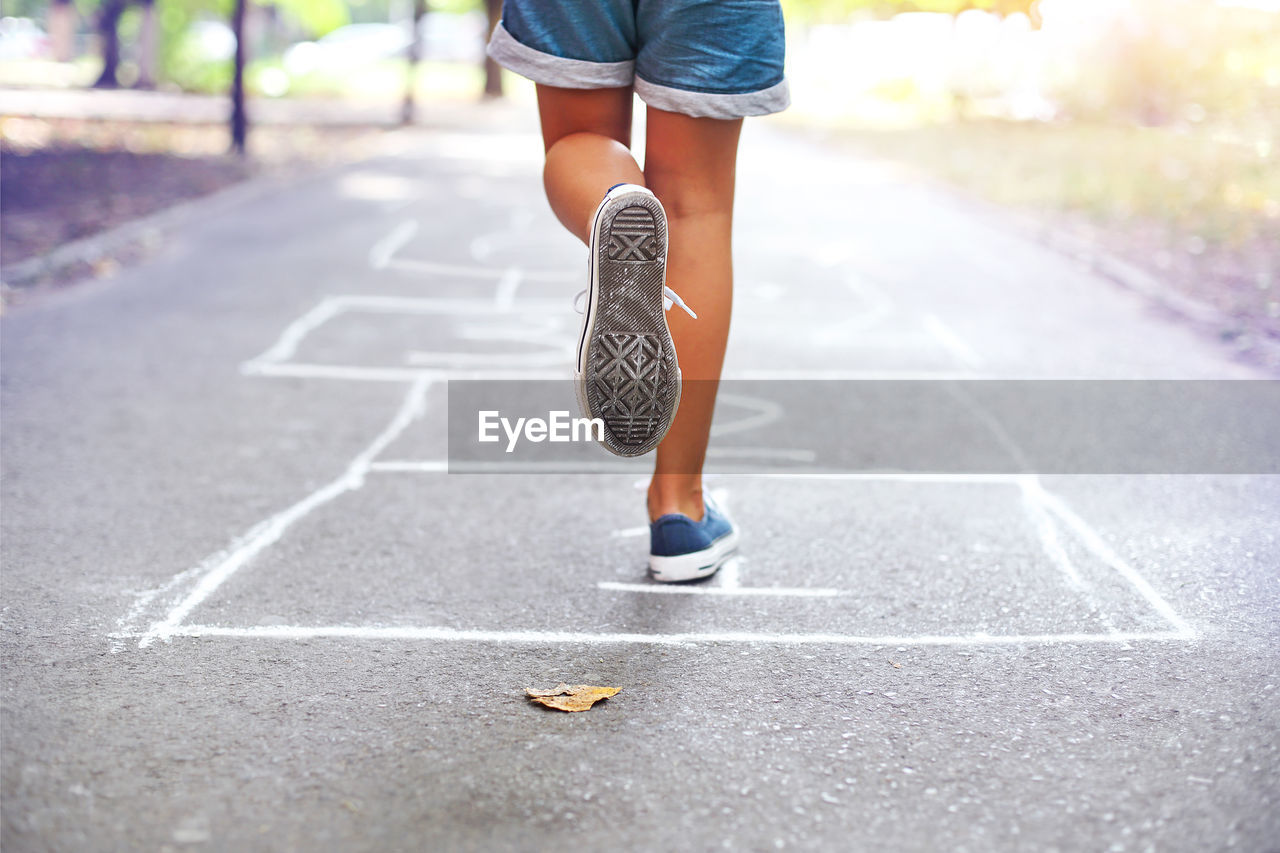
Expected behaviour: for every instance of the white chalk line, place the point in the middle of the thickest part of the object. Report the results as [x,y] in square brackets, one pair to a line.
[287,344]
[545,330]
[222,565]
[126,624]
[437,465]
[269,531]
[906,477]
[418,267]
[730,574]
[544,356]
[1091,540]
[803,457]
[395,466]
[750,463]
[1030,485]
[728,578]
[959,393]
[952,342]
[831,375]
[469,466]
[216,569]
[452,306]
[1049,543]
[303,370]
[482,246]
[765,413]
[309,632]
[552,345]
[778,591]
[381,253]
[1042,500]
[1052,546]
[728,581]
[505,294]
[876,304]
[878,307]
[275,360]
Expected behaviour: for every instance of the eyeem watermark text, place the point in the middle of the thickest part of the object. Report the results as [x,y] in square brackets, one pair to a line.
[558,427]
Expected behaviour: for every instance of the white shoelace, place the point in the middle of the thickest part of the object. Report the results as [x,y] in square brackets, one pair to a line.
[669,298]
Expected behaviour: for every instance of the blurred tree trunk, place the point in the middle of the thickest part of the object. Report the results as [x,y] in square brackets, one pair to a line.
[492,71]
[415,54]
[62,29]
[147,46]
[109,41]
[239,121]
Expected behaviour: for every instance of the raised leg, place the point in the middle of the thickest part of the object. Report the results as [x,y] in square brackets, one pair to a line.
[691,165]
[587,134]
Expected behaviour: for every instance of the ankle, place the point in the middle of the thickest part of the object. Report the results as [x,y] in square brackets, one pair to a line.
[665,501]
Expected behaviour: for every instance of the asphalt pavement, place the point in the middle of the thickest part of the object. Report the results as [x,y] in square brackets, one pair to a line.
[246,605]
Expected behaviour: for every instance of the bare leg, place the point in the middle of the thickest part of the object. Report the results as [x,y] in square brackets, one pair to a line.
[587,134]
[690,165]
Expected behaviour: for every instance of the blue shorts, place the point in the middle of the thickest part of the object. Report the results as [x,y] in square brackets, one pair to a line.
[702,58]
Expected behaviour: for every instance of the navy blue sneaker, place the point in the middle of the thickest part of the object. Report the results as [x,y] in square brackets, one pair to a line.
[681,549]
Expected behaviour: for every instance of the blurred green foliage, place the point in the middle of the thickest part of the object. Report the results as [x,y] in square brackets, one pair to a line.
[454,6]
[26,8]
[181,61]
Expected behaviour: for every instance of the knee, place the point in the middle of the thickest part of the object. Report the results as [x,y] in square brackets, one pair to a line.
[686,204]
[584,145]
[686,197]
[689,208]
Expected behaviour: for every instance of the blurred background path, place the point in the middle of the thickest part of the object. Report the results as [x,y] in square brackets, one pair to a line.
[245,607]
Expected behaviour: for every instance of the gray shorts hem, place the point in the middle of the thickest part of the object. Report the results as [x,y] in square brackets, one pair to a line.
[774,99]
[550,70]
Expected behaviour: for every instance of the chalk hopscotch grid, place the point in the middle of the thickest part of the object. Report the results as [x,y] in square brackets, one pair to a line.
[208,576]
[204,579]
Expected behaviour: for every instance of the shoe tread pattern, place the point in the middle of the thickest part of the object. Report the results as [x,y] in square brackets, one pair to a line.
[633,377]
[632,236]
[628,380]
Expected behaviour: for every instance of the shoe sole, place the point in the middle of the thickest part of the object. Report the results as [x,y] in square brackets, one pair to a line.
[695,566]
[627,373]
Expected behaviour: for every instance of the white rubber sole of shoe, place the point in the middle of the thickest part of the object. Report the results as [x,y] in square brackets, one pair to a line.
[626,373]
[695,566]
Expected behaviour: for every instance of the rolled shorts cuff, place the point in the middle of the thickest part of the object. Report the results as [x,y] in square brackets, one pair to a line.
[774,99]
[550,70]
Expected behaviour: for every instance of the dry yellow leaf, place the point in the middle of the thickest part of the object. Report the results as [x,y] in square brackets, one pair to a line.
[571,697]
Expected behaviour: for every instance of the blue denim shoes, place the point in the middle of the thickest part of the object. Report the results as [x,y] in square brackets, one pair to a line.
[681,549]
